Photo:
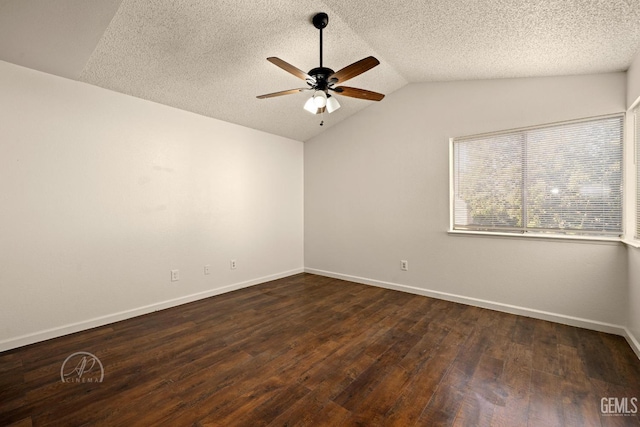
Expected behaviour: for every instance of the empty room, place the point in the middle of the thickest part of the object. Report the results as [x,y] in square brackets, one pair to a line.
[320,213]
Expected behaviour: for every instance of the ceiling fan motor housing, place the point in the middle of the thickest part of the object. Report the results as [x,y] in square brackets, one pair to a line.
[321,76]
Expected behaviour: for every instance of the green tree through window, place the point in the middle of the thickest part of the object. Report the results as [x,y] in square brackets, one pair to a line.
[562,178]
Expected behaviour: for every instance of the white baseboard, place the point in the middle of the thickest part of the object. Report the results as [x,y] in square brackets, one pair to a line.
[633,342]
[59,331]
[507,308]
[492,305]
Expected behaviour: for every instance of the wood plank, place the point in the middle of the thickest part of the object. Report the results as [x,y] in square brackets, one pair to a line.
[516,382]
[523,330]
[424,399]
[545,402]
[398,345]
[545,350]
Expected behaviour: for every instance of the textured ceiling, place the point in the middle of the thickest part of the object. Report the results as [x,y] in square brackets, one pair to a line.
[209,56]
[56,37]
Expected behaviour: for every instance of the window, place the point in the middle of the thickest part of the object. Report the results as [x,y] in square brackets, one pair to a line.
[564,178]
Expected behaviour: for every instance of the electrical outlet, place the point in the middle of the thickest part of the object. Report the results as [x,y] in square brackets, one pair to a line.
[207,269]
[404,265]
[175,275]
[233,264]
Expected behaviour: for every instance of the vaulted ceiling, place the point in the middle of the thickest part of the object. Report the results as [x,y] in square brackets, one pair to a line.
[209,56]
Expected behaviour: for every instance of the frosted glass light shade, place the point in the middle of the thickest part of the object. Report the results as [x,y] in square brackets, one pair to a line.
[332,104]
[310,106]
[320,99]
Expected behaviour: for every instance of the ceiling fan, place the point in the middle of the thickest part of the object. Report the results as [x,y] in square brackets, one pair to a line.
[323,80]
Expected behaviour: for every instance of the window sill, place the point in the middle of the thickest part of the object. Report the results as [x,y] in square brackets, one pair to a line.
[631,242]
[544,237]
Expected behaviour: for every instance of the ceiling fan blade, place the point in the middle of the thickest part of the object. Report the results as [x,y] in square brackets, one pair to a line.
[354,92]
[289,68]
[355,69]
[282,92]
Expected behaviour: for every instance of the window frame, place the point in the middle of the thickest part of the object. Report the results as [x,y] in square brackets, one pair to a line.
[632,176]
[634,137]
[550,234]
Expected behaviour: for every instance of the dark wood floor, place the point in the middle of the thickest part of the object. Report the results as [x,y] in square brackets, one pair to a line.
[309,350]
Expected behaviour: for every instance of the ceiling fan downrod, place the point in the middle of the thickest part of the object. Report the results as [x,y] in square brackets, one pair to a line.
[321,74]
[320,21]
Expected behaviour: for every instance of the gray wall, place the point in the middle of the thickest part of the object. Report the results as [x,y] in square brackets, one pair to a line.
[376,192]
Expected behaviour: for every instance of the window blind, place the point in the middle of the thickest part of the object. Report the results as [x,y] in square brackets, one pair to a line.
[562,178]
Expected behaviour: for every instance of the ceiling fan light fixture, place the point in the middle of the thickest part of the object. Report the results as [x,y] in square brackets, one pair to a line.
[332,104]
[320,99]
[310,106]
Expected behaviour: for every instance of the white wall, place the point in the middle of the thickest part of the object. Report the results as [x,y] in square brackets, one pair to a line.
[102,194]
[633,321]
[633,81]
[376,192]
